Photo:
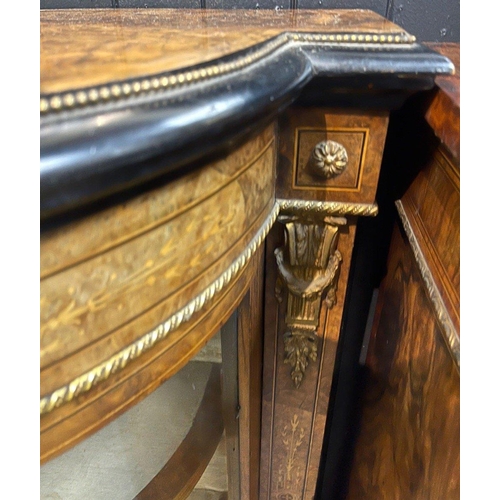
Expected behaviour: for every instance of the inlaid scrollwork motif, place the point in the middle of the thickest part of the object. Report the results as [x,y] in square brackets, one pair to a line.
[309,266]
[329,158]
[120,360]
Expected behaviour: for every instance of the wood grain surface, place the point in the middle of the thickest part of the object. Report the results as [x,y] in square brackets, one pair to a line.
[110,278]
[250,354]
[409,437]
[432,204]
[294,418]
[81,48]
[443,112]
[104,230]
[168,244]
[71,423]
[409,442]
[362,133]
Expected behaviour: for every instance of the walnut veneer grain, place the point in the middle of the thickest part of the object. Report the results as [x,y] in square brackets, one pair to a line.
[294,418]
[250,353]
[409,443]
[361,133]
[443,112]
[81,48]
[138,264]
[432,204]
[409,438]
[161,101]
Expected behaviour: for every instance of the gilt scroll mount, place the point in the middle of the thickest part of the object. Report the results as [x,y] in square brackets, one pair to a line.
[309,267]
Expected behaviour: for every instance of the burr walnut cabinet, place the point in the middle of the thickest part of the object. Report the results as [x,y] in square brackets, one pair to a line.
[202,174]
[409,438]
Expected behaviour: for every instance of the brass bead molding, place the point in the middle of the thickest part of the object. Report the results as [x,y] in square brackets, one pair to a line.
[450,334]
[117,91]
[309,268]
[120,360]
[329,158]
[304,207]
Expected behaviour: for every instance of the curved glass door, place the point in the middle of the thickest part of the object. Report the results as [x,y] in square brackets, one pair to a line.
[179,442]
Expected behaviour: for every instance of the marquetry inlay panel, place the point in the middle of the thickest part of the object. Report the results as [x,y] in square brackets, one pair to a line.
[294,417]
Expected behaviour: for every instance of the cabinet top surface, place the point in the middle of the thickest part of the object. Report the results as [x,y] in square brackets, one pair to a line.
[81,48]
[129,95]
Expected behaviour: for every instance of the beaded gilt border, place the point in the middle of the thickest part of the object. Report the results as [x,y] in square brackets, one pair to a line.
[166,81]
[302,207]
[450,334]
[117,362]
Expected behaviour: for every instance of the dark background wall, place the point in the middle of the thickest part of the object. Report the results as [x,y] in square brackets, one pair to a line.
[428,20]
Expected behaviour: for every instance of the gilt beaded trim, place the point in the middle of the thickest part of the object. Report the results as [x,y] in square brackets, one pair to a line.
[82,98]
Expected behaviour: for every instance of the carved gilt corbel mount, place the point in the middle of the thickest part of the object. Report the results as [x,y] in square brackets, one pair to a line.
[309,266]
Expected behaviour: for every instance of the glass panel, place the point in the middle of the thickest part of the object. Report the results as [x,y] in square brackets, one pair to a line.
[184,433]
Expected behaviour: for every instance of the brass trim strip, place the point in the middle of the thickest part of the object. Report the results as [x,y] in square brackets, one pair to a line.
[302,207]
[164,81]
[450,333]
[121,359]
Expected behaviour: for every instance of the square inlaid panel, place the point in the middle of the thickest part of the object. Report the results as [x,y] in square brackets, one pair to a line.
[359,139]
[307,175]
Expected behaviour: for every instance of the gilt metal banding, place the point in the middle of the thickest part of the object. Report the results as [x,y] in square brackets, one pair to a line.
[450,333]
[80,98]
[303,207]
[121,359]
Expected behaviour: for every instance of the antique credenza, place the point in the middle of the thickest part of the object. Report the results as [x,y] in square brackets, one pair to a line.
[202,173]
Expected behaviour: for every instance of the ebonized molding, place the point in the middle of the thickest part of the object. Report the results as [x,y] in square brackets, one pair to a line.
[89,152]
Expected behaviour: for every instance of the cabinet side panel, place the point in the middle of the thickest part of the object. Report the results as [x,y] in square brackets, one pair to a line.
[408,445]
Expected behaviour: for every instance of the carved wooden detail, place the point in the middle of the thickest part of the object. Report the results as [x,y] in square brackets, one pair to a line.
[308,266]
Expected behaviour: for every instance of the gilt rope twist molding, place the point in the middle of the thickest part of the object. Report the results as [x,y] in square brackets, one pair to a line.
[117,362]
[80,98]
[308,348]
[306,207]
[309,267]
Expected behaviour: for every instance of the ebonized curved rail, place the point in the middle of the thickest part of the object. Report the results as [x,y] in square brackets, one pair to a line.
[89,152]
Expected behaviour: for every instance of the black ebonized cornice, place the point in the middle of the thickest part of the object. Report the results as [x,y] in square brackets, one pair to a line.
[91,151]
